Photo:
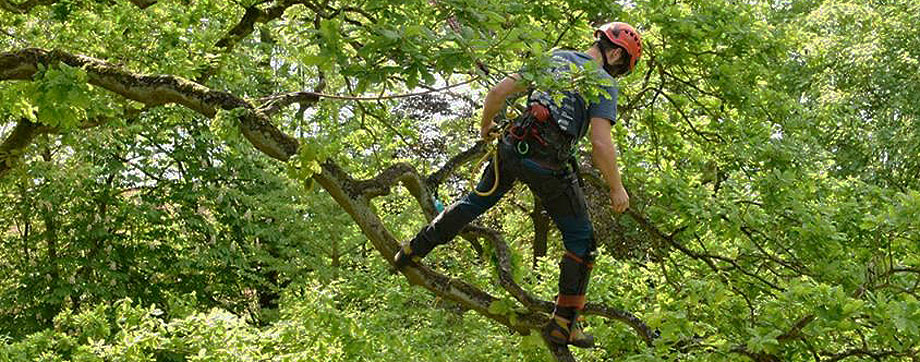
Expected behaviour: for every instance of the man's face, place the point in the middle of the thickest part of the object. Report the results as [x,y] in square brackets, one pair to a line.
[617,62]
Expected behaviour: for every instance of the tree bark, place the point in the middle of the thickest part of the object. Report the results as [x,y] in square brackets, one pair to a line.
[50,232]
[15,143]
[157,90]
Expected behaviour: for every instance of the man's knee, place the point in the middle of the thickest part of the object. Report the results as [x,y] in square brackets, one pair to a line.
[582,247]
[578,237]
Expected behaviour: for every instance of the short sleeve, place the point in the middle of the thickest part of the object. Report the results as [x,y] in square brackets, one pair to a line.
[605,107]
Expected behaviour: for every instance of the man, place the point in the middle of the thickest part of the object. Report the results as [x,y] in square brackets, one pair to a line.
[538,150]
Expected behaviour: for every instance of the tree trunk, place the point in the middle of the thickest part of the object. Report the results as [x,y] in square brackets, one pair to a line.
[50,230]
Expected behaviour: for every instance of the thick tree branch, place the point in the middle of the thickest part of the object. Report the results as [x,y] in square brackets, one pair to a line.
[345,191]
[354,196]
[274,104]
[15,143]
[252,16]
[503,254]
[505,278]
[408,177]
[154,90]
[642,329]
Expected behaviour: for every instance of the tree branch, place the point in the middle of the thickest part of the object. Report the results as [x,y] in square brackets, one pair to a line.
[274,104]
[143,4]
[294,97]
[246,26]
[503,254]
[344,190]
[355,195]
[402,173]
[505,278]
[154,90]
[15,143]
[703,135]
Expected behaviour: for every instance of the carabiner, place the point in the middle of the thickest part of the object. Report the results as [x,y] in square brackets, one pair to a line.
[523,147]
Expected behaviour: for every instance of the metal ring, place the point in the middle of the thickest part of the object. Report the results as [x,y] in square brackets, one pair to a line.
[525,147]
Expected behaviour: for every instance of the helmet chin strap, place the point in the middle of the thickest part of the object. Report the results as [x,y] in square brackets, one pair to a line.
[601,47]
[603,51]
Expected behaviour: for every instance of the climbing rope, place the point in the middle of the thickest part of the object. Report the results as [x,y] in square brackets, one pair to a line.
[492,152]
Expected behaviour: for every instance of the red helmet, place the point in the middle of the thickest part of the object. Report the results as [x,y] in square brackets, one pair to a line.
[624,35]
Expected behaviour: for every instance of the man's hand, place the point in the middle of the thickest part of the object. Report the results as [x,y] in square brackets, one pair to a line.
[494,101]
[489,132]
[619,199]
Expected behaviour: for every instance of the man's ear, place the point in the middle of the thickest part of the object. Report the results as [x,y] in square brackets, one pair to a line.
[618,53]
[613,54]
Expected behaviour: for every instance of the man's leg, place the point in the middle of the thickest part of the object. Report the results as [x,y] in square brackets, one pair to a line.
[565,203]
[446,225]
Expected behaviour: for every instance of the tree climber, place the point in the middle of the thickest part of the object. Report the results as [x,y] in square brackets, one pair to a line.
[538,149]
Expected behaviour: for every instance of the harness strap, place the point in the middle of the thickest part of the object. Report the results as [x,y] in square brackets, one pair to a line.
[571,301]
[578,260]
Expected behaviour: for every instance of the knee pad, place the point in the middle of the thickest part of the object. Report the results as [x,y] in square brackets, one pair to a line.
[574,272]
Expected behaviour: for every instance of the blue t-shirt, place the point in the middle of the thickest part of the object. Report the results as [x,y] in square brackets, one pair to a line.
[605,107]
[573,116]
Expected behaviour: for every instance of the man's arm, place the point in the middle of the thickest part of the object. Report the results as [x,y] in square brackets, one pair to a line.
[496,99]
[604,154]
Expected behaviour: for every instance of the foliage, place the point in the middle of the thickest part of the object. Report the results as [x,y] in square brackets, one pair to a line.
[769,148]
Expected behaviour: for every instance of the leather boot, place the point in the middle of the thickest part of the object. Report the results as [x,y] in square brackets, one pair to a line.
[564,327]
[563,331]
[413,251]
[405,256]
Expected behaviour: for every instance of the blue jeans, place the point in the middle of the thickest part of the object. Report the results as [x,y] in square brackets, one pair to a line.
[558,188]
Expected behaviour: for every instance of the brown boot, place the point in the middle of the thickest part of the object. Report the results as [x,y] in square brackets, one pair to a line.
[563,328]
[564,331]
[405,257]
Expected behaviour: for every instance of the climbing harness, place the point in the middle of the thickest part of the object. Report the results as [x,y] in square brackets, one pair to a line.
[529,126]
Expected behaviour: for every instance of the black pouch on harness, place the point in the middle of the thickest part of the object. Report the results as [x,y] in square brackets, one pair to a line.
[569,122]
